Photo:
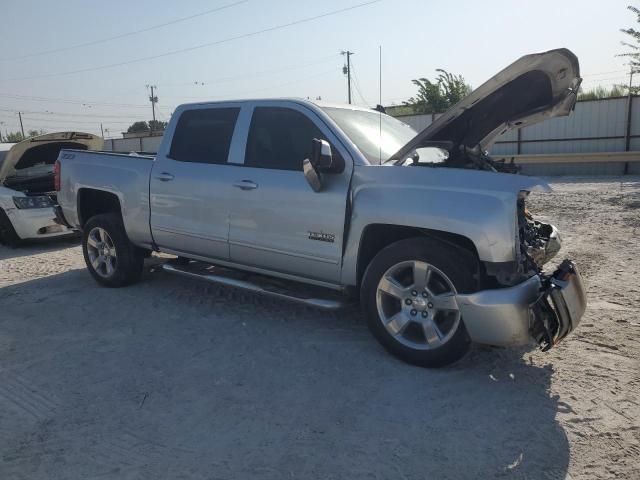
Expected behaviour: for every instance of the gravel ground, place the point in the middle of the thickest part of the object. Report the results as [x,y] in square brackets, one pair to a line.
[173,378]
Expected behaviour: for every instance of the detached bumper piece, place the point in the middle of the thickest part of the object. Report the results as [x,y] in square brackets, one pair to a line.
[544,308]
[559,309]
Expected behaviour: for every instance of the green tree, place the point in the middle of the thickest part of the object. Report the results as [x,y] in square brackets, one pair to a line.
[439,95]
[143,127]
[138,127]
[13,137]
[600,92]
[634,53]
[157,125]
[35,133]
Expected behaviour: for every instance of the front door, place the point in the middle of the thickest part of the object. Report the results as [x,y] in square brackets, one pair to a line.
[278,222]
[191,183]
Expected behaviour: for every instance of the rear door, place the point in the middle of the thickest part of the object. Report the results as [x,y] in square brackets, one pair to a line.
[277,221]
[191,182]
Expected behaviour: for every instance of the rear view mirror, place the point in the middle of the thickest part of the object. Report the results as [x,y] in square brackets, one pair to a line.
[321,161]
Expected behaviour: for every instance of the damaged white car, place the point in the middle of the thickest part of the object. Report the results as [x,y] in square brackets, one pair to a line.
[27,190]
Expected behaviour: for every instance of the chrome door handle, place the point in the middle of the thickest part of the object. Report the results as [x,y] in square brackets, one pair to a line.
[164,177]
[246,185]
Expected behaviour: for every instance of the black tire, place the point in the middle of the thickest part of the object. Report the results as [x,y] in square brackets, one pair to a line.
[8,235]
[441,256]
[130,259]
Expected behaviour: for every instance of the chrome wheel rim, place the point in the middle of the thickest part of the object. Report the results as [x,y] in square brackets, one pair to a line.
[417,305]
[102,252]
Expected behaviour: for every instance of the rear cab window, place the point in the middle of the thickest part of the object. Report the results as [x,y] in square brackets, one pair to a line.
[204,135]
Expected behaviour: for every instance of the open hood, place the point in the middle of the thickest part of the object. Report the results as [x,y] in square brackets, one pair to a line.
[36,156]
[532,89]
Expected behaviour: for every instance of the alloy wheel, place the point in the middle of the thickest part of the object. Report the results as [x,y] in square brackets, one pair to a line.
[417,305]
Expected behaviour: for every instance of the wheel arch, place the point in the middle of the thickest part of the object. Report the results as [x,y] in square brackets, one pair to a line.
[93,202]
[378,236]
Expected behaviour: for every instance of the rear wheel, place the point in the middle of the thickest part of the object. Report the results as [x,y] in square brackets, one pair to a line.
[8,235]
[409,297]
[111,258]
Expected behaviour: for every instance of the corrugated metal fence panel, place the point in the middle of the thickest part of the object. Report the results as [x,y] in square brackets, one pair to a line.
[417,122]
[126,145]
[601,118]
[107,146]
[151,144]
[582,131]
[504,149]
[574,146]
[635,116]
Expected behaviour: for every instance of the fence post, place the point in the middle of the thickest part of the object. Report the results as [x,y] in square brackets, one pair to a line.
[627,134]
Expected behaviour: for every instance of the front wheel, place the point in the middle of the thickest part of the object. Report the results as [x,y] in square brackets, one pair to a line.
[409,298]
[111,258]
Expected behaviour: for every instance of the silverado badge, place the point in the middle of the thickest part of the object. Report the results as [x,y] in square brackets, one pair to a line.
[322,237]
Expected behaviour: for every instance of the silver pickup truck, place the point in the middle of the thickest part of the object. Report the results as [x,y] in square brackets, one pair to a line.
[320,203]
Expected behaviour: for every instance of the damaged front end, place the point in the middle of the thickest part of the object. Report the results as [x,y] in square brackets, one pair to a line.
[562,299]
[528,303]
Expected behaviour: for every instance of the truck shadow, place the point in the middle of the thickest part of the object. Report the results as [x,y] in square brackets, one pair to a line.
[33,247]
[219,382]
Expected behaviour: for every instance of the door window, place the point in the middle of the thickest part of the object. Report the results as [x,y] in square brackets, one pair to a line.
[279,138]
[204,135]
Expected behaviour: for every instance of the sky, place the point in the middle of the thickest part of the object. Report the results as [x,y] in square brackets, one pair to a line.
[56,66]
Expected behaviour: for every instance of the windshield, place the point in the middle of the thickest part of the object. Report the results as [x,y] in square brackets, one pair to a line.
[377,136]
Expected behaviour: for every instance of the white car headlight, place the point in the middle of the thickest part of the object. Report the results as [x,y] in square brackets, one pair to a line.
[39,201]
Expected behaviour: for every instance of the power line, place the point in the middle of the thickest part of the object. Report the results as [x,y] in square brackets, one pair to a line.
[90,103]
[357,85]
[320,61]
[123,35]
[298,80]
[200,46]
[601,73]
[73,122]
[70,101]
[62,114]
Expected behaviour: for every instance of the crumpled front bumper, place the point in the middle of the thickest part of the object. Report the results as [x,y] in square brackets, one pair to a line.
[544,308]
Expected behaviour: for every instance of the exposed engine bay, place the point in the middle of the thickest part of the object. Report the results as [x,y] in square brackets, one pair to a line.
[539,242]
[32,173]
[446,155]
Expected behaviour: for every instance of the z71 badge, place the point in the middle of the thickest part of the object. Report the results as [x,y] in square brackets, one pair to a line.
[322,237]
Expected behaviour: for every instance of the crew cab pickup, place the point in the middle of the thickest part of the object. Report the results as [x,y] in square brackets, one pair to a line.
[426,229]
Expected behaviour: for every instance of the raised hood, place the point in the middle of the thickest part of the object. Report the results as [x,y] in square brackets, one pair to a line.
[532,89]
[36,156]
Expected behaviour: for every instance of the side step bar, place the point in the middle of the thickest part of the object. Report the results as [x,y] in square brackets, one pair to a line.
[316,297]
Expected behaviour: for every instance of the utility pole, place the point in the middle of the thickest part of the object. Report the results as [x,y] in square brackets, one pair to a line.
[347,71]
[102,130]
[627,134]
[153,99]
[21,127]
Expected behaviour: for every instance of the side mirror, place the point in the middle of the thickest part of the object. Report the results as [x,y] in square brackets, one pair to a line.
[321,161]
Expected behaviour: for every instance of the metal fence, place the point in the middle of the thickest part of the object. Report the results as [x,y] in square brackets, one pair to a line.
[608,125]
[126,145]
[573,145]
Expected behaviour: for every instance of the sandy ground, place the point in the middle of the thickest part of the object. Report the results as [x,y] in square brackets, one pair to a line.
[173,378]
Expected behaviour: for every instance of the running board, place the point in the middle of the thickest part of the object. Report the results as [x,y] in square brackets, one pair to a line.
[311,296]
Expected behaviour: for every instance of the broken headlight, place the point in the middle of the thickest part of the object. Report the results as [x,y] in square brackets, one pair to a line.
[40,201]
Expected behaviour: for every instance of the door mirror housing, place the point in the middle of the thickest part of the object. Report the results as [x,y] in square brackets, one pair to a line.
[322,161]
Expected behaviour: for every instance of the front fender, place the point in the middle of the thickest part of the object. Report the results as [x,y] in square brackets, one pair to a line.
[480,206]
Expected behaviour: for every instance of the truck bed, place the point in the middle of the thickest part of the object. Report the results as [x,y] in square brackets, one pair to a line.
[125,176]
